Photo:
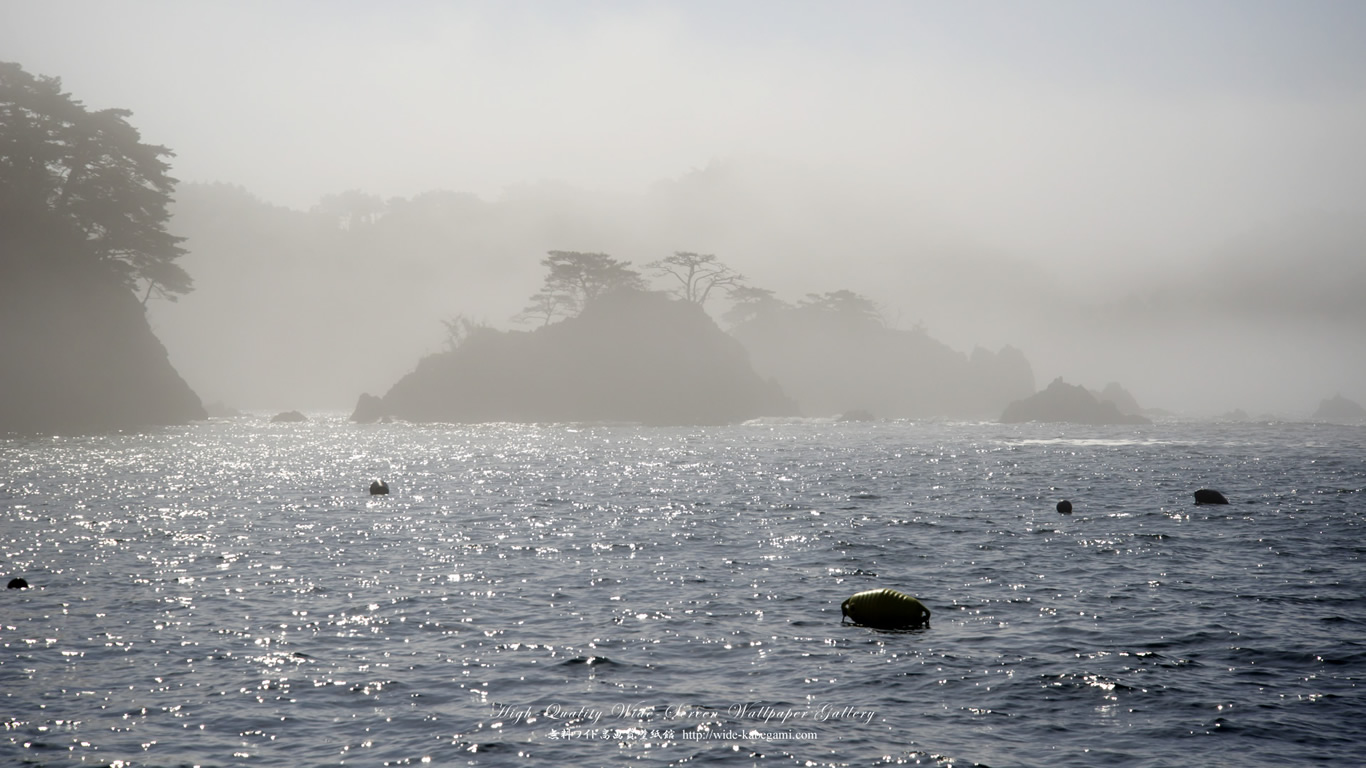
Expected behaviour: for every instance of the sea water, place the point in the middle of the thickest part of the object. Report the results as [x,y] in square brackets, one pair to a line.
[229,593]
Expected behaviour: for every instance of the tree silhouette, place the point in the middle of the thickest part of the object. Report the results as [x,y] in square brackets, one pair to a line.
[71,174]
[751,303]
[543,309]
[843,306]
[458,328]
[697,275]
[575,279]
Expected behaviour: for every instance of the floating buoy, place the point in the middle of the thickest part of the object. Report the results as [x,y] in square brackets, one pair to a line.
[885,609]
[1065,507]
[379,488]
[1207,496]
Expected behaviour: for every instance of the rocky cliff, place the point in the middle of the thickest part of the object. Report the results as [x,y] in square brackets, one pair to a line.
[79,355]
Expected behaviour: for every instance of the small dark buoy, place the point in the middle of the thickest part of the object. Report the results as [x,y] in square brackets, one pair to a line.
[379,488]
[1065,507]
[1208,496]
[17,583]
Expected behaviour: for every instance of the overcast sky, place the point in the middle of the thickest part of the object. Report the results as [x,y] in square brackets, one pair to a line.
[1063,133]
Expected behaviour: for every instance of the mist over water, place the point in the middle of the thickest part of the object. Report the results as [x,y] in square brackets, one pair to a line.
[1166,195]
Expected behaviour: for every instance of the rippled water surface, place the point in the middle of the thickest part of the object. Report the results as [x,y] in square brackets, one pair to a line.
[229,594]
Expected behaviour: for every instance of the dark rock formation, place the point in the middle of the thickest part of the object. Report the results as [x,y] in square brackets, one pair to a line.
[79,354]
[288,416]
[830,364]
[1125,402]
[1209,496]
[369,409]
[630,356]
[1065,507]
[1340,409]
[1067,403]
[992,381]
[17,583]
[379,488]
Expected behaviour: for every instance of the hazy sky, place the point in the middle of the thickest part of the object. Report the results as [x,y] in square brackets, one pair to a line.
[1062,133]
[1064,126]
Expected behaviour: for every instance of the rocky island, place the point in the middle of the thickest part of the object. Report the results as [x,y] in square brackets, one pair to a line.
[629,356]
[1341,410]
[1062,402]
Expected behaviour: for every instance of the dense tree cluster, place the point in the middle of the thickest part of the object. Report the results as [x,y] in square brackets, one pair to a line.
[574,280]
[86,180]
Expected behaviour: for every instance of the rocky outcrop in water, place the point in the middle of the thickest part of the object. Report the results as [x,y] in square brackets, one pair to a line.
[631,356]
[1209,496]
[834,359]
[1340,410]
[1062,402]
[369,409]
[1125,402]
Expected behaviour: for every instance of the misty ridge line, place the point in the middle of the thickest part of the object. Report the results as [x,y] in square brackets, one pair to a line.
[446,248]
[572,281]
[1269,265]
